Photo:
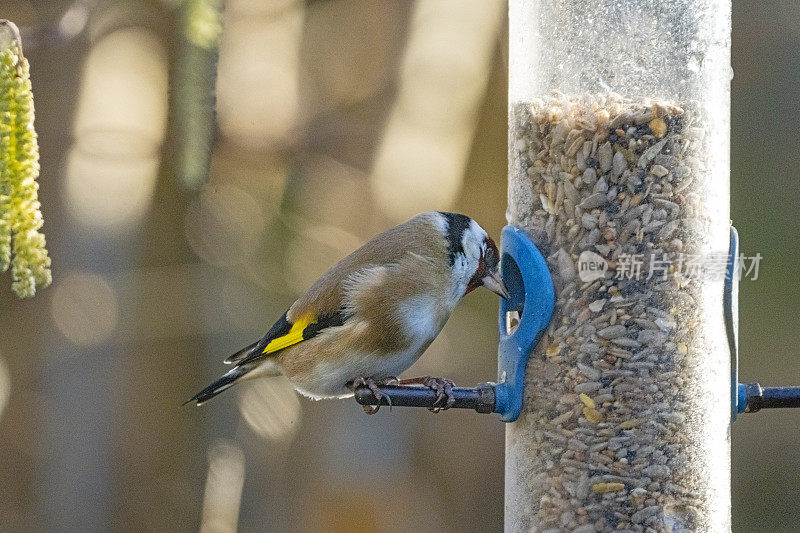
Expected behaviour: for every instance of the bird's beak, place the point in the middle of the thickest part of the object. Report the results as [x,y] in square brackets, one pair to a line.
[494,283]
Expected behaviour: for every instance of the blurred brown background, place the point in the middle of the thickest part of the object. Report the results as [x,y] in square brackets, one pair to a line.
[335,120]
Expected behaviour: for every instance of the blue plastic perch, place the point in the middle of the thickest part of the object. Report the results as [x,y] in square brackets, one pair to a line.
[528,280]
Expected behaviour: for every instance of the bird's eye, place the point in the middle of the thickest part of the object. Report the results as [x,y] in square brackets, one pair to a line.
[491,255]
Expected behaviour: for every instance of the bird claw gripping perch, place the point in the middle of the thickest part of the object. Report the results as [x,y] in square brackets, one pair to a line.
[373,386]
[524,317]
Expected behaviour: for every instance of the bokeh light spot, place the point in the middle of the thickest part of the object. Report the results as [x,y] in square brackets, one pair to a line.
[224,225]
[257,79]
[313,252]
[109,195]
[270,407]
[5,385]
[120,124]
[223,492]
[84,308]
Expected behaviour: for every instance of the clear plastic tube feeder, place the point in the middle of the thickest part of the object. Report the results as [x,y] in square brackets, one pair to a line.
[619,172]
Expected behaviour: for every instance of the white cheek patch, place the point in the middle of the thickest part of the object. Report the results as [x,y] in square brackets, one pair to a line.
[477,230]
[473,241]
[466,263]
[462,273]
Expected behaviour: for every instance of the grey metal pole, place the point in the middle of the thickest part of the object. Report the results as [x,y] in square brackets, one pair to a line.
[619,172]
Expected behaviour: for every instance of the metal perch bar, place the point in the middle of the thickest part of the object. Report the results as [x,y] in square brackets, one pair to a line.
[481,398]
[770,397]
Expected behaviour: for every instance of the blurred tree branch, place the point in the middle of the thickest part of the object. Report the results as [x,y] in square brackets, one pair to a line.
[201,27]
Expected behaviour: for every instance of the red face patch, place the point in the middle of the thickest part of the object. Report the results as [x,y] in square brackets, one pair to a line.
[486,264]
[477,278]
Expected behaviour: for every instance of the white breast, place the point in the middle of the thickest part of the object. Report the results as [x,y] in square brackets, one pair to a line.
[422,321]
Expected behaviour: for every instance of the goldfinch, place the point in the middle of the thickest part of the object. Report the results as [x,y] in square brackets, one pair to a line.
[374,313]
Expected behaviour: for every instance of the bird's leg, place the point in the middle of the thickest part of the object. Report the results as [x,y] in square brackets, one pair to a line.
[442,387]
[374,386]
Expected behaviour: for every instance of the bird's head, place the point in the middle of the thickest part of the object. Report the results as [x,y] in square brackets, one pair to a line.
[473,255]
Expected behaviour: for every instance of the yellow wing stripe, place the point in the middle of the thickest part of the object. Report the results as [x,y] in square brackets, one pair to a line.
[294,336]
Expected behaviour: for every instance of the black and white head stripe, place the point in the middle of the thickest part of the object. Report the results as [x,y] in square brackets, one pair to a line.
[456,226]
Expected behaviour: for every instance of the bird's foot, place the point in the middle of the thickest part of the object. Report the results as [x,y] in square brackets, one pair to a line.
[442,387]
[374,386]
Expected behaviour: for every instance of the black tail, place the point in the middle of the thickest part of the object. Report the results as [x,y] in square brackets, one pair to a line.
[221,384]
